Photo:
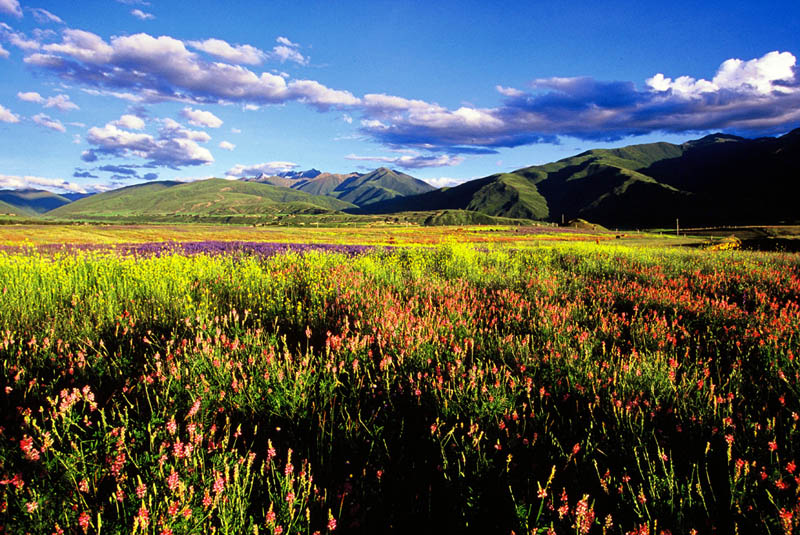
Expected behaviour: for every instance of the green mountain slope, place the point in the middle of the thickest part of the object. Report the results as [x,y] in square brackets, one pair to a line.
[379,185]
[7,209]
[33,201]
[211,198]
[718,179]
[356,188]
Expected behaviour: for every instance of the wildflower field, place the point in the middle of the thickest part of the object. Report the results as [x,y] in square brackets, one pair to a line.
[570,389]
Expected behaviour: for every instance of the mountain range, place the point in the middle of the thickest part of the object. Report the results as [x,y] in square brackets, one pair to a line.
[360,189]
[718,179]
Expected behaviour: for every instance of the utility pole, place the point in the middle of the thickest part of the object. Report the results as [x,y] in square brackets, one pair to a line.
[562,220]
[677,227]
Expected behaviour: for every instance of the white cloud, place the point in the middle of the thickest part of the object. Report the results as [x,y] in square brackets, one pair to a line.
[18,39]
[173,129]
[173,149]
[763,76]
[509,91]
[444,182]
[43,16]
[236,130]
[285,41]
[756,97]
[269,168]
[319,96]
[162,68]
[48,122]
[201,118]
[288,51]
[130,97]
[30,96]
[131,122]
[227,145]
[81,45]
[3,52]
[284,53]
[346,117]
[234,53]
[77,139]
[412,161]
[373,124]
[384,104]
[11,7]
[35,182]
[61,102]
[139,14]
[7,116]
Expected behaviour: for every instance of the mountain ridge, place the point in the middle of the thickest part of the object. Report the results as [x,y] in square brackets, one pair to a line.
[705,181]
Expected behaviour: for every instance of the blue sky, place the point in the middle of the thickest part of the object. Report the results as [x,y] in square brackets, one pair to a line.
[99,94]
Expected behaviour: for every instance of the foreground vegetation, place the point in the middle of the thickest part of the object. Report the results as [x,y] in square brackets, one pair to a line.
[575,389]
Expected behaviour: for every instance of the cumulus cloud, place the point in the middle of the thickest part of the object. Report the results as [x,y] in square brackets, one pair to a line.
[58,184]
[83,174]
[269,168]
[246,54]
[61,102]
[48,122]
[509,91]
[11,7]
[131,122]
[444,182]
[174,148]
[772,73]
[226,145]
[7,116]
[172,129]
[150,176]
[30,96]
[201,118]
[158,68]
[3,52]
[286,50]
[139,14]
[43,16]
[162,68]
[18,39]
[319,96]
[758,96]
[412,161]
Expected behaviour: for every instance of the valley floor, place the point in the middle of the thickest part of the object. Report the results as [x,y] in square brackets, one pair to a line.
[492,380]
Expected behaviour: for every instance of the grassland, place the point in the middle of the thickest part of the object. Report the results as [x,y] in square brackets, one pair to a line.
[375,232]
[574,384]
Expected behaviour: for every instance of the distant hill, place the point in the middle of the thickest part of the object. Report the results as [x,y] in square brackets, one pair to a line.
[356,188]
[206,199]
[7,209]
[32,201]
[719,179]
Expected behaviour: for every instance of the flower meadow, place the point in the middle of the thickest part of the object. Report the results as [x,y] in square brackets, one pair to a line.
[573,389]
